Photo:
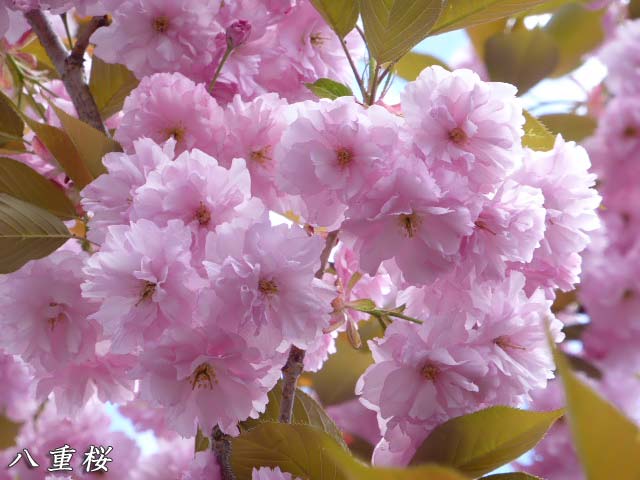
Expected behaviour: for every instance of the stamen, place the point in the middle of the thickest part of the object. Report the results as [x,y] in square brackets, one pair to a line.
[161,24]
[504,342]
[204,376]
[203,214]
[344,156]
[148,290]
[410,224]
[457,135]
[430,372]
[267,287]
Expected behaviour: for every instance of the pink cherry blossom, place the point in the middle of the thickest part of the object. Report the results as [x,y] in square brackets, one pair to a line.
[266,473]
[571,202]
[200,193]
[264,284]
[333,152]
[151,36]
[169,105]
[619,56]
[463,124]
[16,398]
[108,198]
[169,462]
[206,378]
[143,280]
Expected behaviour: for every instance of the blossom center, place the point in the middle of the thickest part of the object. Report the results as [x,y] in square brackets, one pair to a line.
[57,315]
[267,287]
[458,136]
[630,132]
[177,133]
[482,225]
[148,289]
[316,39]
[344,156]
[204,376]
[161,24]
[203,215]
[410,224]
[505,342]
[430,372]
[628,294]
[261,156]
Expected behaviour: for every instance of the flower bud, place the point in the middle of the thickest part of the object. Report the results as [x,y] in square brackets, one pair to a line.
[238,33]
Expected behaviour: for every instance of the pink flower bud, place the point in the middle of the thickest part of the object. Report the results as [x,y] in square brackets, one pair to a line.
[238,33]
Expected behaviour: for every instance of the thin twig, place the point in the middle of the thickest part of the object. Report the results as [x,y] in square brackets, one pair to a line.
[295,362]
[82,43]
[363,90]
[70,67]
[222,447]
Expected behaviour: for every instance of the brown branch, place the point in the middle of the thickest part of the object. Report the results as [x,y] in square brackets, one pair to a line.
[70,68]
[222,447]
[82,43]
[295,362]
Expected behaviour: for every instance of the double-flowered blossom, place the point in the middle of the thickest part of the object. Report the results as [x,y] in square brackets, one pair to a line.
[464,125]
[266,473]
[621,58]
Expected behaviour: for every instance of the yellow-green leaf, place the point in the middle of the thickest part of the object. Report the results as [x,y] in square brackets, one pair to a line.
[27,232]
[607,442]
[393,27]
[536,135]
[571,126]
[336,382]
[63,150]
[634,9]
[35,48]
[341,15]
[24,183]
[465,13]
[10,122]
[306,411]
[202,443]
[569,27]
[8,432]
[327,88]
[90,143]
[410,66]
[309,453]
[110,84]
[479,34]
[479,443]
[521,57]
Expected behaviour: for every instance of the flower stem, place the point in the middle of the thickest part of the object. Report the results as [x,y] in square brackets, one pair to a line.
[224,59]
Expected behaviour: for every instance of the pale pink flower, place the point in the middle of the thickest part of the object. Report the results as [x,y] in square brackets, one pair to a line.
[422,371]
[463,124]
[108,198]
[264,283]
[169,105]
[354,419]
[621,57]
[253,130]
[43,314]
[143,280]
[169,462]
[200,193]
[407,217]
[16,398]
[318,352]
[203,467]
[509,228]
[333,152]
[151,36]
[571,202]
[206,378]
[145,417]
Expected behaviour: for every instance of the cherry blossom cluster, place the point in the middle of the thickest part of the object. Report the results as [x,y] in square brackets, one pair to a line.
[609,290]
[186,297]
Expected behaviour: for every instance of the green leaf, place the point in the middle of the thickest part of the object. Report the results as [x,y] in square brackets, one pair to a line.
[306,411]
[634,9]
[336,382]
[607,442]
[341,15]
[90,143]
[536,135]
[521,57]
[27,232]
[479,34]
[63,150]
[362,305]
[327,88]
[22,182]
[10,121]
[202,443]
[8,432]
[35,48]
[569,27]
[478,443]
[393,27]
[465,13]
[410,66]
[110,84]
[511,476]
[571,126]
[309,453]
